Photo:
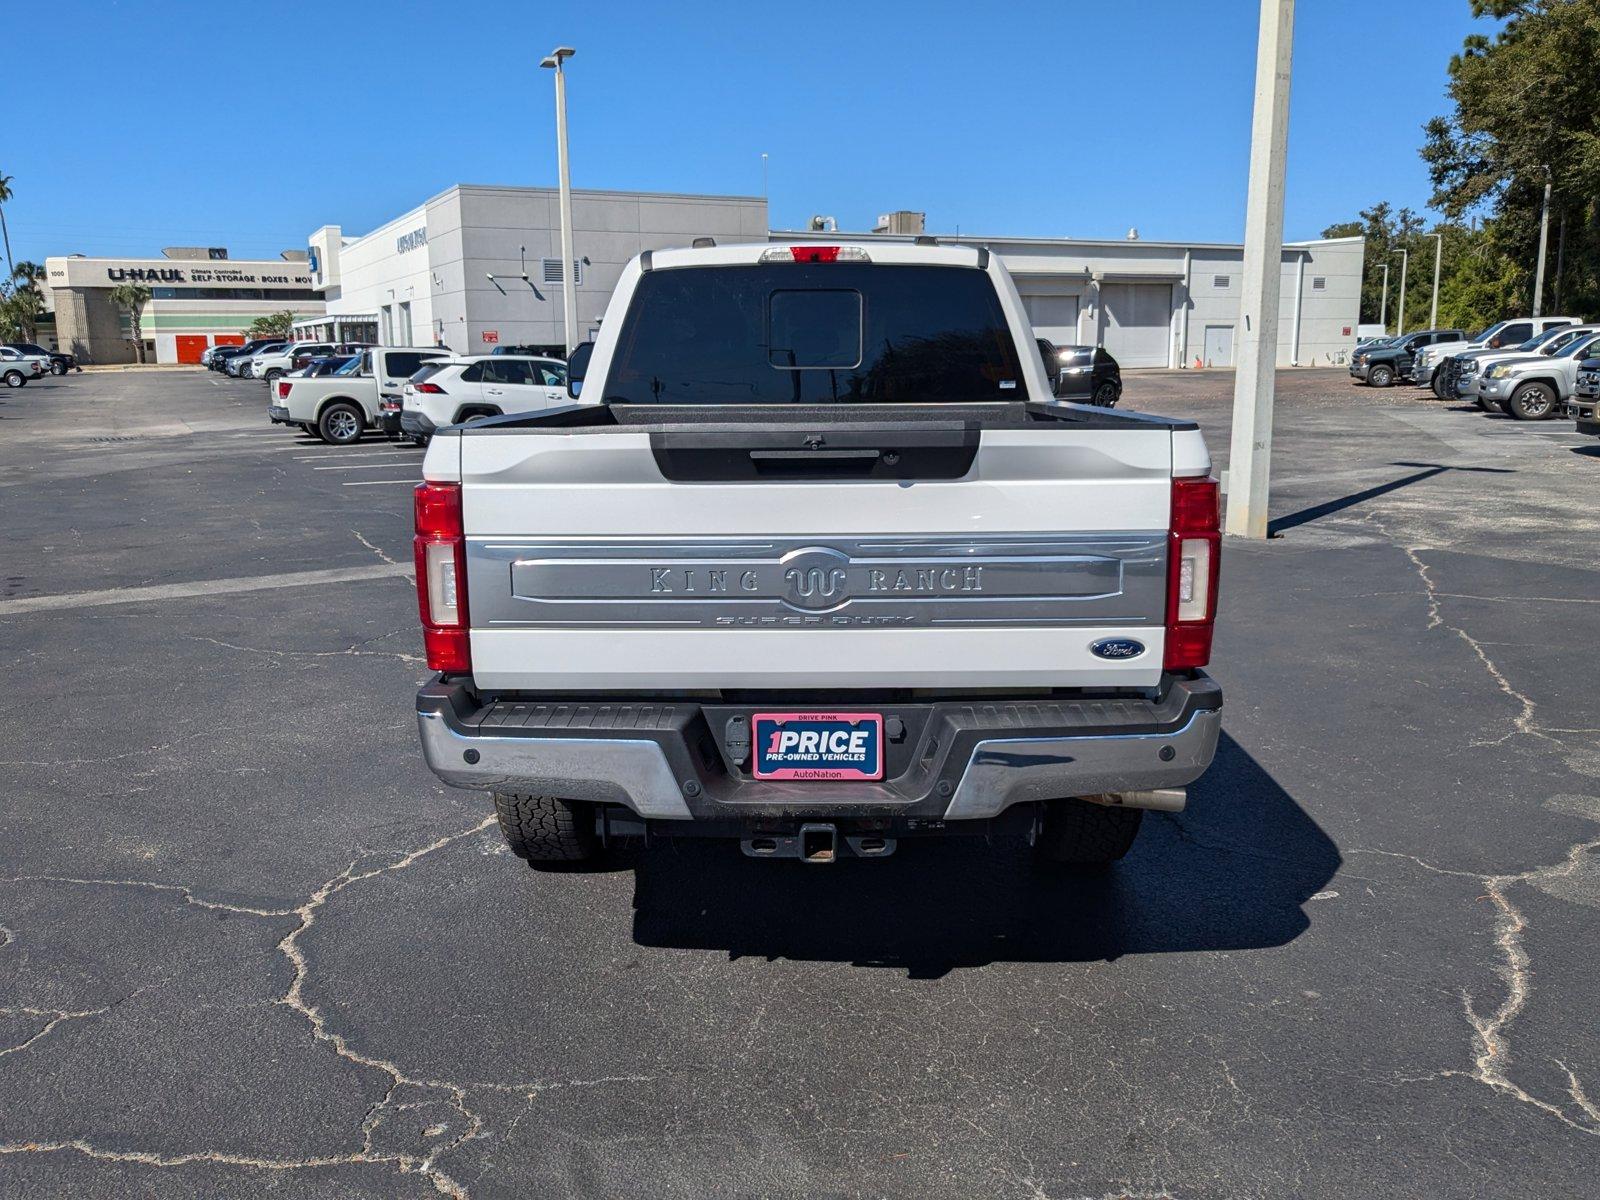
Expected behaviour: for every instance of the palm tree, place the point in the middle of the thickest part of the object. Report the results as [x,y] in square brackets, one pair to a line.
[133,297]
[5,194]
[27,298]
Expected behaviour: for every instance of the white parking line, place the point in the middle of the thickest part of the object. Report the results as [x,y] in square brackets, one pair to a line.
[364,467]
[202,587]
[381,482]
[357,454]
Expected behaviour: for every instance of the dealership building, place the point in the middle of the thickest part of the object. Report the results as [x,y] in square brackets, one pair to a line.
[1172,304]
[424,278]
[475,267]
[199,297]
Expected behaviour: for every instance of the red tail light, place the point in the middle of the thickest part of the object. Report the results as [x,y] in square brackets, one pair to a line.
[1194,559]
[440,547]
[283,389]
[432,389]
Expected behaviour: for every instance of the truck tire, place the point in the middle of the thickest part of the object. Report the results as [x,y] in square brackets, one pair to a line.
[1532,402]
[341,424]
[544,829]
[275,374]
[1107,395]
[58,368]
[1437,383]
[1085,836]
[15,378]
[1381,375]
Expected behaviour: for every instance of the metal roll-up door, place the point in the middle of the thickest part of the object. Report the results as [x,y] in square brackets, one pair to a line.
[1138,322]
[1053,317]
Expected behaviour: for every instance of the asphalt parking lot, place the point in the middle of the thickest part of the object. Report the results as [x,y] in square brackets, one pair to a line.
[249,945]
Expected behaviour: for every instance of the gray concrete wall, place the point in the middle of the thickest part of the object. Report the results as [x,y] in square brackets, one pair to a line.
[90,326]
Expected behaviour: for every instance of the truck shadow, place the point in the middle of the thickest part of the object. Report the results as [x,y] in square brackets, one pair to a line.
[1230,873]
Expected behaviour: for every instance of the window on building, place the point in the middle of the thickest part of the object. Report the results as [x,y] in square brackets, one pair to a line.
[405,322]
[550,269]
[1221,281]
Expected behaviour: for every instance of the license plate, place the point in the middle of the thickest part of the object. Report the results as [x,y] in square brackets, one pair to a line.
[818,745]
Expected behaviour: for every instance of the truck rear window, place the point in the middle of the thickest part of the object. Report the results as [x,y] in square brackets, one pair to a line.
[800,333]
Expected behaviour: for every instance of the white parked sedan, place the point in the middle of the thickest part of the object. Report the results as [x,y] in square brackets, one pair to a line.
[453,390]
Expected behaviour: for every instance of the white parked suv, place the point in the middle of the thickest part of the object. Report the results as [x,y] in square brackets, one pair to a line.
[1535,387]
[458,389]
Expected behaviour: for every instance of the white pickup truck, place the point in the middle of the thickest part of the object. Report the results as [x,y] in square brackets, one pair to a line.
[820,565]
[339,408]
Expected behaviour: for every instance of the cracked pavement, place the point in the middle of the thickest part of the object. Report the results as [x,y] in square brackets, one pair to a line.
[250,946]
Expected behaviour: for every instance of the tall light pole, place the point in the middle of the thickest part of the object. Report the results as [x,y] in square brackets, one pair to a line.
[1405,261]
[1438,257]
[1544,241]
[1254,385]
[1383,305]
[569,298]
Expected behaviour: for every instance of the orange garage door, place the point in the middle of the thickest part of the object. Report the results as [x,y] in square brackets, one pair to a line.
[190,347]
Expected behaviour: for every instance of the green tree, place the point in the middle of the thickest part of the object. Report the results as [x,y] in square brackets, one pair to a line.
[132,297]
[1525,110]
[22,302]
[276,325]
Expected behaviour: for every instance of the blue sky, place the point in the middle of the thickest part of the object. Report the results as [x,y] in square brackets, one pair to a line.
[178,123]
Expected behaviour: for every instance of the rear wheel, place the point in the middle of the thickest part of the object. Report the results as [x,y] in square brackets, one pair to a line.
[1107,394]
[341,424]
[1380,376]
[1085,836]
[545,830]
[1437,383]
[1532,402]
[58,368]
[15,378]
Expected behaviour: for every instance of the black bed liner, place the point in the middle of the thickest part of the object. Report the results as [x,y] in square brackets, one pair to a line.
[803,419]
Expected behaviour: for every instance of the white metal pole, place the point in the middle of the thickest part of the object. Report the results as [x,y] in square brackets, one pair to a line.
[1383,305]
[1299,300]
[1544,240]
[1438,257]
[1400,321]
[569,298]
[1250,457]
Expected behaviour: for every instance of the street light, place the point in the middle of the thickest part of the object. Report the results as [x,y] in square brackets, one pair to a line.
[1405,261]
[1383,305]
[1438,256]
[569,300]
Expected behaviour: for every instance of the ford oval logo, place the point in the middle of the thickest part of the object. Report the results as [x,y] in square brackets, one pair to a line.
[1117,648]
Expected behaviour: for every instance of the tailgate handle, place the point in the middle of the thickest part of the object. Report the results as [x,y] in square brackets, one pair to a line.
[814,455]
[753,454]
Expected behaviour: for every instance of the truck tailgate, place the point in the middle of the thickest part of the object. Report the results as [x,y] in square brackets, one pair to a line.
[625,560]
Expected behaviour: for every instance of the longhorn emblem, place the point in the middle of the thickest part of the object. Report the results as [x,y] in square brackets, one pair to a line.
[823,584]
[815,577]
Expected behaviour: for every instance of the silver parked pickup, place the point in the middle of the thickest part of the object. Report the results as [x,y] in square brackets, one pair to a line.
[820,564]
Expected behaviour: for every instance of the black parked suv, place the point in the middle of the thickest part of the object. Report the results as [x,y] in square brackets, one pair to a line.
[1084,374]
[1380,367]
